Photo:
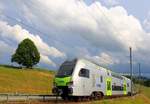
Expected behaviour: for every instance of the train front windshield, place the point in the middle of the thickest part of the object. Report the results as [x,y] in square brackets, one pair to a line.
[65,70]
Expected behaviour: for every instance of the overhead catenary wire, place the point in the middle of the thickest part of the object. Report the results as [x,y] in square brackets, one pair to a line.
[92,16]
[11,18]
[33,29]
[43,11]
[45,34]
[24,24]
[30,27]
[114,27]
[70,29]
[107,18]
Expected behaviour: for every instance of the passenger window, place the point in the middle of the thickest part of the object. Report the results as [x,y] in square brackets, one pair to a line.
[101,78]
[127,84]
[84,73]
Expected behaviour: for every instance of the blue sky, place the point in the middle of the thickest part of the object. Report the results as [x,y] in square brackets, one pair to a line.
[138,8]
[100,31]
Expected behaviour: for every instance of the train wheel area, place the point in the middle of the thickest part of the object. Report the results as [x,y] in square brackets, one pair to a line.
[95,96]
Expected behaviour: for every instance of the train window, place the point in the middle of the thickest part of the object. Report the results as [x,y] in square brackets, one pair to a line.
[117,88]
[127,84]
[84,73]
[101,78]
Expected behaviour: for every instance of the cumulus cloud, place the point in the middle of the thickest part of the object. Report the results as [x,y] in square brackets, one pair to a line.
[72,23]
[4,48]
[17,34]
[103,59]
[102,27]
[146,23]
[46,60]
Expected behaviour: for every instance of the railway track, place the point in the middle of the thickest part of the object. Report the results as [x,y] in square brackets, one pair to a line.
[26,97]
[35,97]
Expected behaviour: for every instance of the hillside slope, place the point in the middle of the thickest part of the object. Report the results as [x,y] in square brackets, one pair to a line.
[34,81]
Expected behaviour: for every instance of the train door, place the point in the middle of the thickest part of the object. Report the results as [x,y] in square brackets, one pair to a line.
[124,87]
[108,86]
[93,81]
[84,76]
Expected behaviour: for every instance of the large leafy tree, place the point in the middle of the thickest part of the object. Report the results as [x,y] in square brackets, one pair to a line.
[26,54]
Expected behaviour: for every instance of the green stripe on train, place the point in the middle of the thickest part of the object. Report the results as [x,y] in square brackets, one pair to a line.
[108,86]
[62,81]
[124,87]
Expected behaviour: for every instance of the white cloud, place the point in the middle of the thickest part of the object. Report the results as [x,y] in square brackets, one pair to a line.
[146,23]
[107,59]
[103,29]
[47,60]
[17,34]
[103,59]
[4,48]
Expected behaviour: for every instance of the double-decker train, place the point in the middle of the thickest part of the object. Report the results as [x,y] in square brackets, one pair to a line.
[81,78]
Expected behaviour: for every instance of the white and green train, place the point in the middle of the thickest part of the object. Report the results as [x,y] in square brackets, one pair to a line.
[81,78]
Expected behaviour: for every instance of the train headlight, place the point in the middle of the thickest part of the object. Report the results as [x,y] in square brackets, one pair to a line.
[70,84]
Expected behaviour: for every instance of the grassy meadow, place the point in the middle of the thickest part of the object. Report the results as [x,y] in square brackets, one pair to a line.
[38,81]
[35,81]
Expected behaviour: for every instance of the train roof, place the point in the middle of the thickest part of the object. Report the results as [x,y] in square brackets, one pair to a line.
[104,68]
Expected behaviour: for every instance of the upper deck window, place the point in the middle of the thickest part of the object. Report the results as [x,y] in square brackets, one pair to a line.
[101,78]
[108,73]
[127,84]
[84,73]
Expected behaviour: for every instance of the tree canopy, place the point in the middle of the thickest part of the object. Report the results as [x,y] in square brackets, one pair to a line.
[26,54]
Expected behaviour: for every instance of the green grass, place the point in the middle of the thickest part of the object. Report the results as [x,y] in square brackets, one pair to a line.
[145,91]
[142,90]
[137,99]
[32,81]
[142,98]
